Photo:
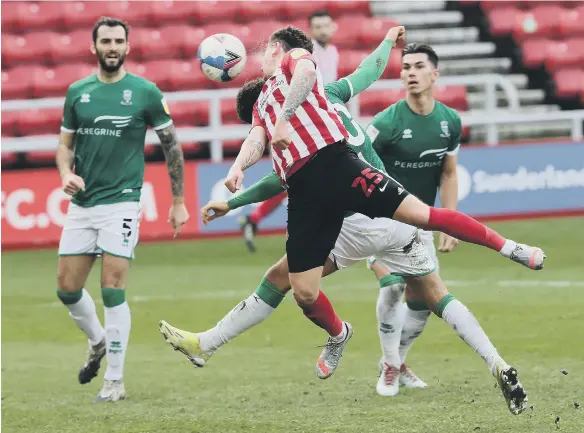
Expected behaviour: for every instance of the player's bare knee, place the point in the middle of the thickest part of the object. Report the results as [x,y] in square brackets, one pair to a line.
[278,275]
[114,272]
[304,293]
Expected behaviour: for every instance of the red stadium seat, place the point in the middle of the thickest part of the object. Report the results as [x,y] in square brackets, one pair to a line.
[349,7]
[136,13]
[373,31]
[33,47]
[209,11]
[571,22]
[535,52]
[294,9]
[184,113]
[540,21]
[9,17]
[349,61]
[39,122]
[43,157]
[229,112]
[82,15]
[487,6]
[17,82]
[372,102]
[300,23]
[186,75]
[251,10]
[9,119]
[190,149]
[565,54]
[453,96]
[349,39]
[11,158]
[157,72]
[133,67]
[41,15]
[153,43]
[261,32]
[569,82]
[150,149]
[165,11]
[393,68]
[55,81]
[71,47]
[232,147]
[502,21]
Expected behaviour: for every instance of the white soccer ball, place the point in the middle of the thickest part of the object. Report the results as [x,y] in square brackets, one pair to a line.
[222,57]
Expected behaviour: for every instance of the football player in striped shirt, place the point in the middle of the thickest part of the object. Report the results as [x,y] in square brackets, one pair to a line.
[199,347]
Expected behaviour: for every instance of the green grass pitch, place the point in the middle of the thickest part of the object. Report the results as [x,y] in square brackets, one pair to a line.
[264,381]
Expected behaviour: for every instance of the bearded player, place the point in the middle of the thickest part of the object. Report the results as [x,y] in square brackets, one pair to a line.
[100,158]
[400,244]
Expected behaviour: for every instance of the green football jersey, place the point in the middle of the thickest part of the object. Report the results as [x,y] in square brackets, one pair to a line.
[339,92]
[109,121]
[412,147]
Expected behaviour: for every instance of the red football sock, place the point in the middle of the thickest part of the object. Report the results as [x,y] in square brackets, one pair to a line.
[465,228]
[322,313]
[266,208]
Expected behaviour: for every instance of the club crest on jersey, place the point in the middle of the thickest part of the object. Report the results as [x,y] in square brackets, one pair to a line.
[407,133]
[127,95]
[85,97]
[445,131]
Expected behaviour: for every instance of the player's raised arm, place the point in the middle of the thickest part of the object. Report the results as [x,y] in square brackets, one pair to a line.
[251,151]
[371,68]
[303,69]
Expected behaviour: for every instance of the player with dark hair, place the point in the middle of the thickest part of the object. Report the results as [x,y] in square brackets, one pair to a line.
[325,178]
[100,158]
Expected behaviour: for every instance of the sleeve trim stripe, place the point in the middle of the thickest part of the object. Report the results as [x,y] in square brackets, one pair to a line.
[350,86]
[164,125]
[67,129]
[454,151]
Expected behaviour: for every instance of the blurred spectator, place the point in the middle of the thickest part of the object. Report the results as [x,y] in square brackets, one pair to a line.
[327,55]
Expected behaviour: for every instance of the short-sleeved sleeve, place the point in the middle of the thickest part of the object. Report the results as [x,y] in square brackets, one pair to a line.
[380,129]
[157,112]
[456,136]
[69,122]
[292,57]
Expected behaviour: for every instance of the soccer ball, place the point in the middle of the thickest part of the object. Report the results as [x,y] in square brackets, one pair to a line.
[222,57]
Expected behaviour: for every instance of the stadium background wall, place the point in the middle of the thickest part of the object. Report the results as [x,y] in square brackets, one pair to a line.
[505,182]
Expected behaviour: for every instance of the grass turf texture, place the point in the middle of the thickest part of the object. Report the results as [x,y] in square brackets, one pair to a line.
[264,381]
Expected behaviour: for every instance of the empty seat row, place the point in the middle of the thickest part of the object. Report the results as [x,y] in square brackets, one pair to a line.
[553,54]
[26,15]
[546,20]
[173,41]
[192,113]
[35,81]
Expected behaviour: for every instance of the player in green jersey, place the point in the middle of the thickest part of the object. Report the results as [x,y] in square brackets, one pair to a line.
[398,245]
[418,140]
[100,158]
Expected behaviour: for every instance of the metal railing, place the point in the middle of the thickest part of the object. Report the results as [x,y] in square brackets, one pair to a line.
[215,133]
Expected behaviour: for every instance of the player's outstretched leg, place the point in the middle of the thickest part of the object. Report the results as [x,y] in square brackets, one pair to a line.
[413,323]
[462,321]
[413,211]
[72,274]
[199,347]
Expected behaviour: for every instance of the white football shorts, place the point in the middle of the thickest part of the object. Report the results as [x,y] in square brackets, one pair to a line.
[108,228]
[398,246]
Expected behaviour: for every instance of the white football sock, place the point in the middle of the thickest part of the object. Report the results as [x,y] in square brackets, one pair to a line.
[414,323]
[84,315]
[390,320]
[246,314]
[508,248]
[468,329]
[118,322]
